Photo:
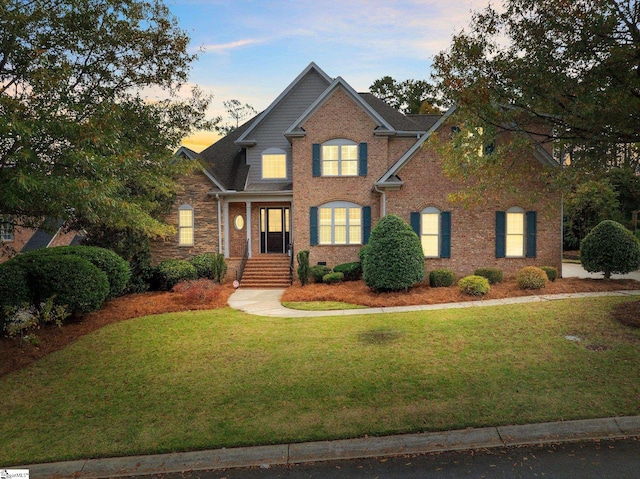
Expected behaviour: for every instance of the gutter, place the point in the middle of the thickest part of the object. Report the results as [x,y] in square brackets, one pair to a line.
[219,224]
[383,208]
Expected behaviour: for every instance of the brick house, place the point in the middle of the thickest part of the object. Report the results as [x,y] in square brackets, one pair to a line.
[16,239]
[323,163]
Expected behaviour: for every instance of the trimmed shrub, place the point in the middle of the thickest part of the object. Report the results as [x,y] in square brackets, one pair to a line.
[318,272]
[172,271]
[201,290]
[210,266]
[351,271]
[362,252]
[610,248]
[474,285]
[494,275]
[531,277]
[439,278]
[303,267]
[332,278]
[394,259]
[116,268]
[72,281]
[552,273]
[14,290]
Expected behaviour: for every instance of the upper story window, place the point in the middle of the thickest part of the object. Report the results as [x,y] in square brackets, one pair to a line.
[340,223]
[274,164]
[185,225]
[6,231]
[339,158]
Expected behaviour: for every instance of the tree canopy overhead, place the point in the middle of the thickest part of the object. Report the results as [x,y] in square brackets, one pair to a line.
[566,71]
[409,96]
[78,141]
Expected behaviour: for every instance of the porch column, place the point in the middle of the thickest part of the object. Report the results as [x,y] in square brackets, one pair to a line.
[248,205]
[226,228]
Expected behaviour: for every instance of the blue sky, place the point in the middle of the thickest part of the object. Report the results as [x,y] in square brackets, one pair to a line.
[251,50]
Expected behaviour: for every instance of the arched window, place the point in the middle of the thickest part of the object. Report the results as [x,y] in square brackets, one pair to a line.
[274,164]
[339,158]
[185,225]
[340,223]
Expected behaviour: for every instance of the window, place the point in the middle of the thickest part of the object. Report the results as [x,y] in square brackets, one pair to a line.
[339,158]
[340,224]
[274,164]
[238,222]
[433,227]
[6,231]
[515,233]
[185,225]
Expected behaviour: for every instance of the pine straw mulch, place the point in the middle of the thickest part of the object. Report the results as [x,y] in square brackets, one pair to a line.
[15,354]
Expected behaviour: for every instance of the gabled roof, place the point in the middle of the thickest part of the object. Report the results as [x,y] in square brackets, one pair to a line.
[399,121]
[43,236]
[244,139]
[296,128]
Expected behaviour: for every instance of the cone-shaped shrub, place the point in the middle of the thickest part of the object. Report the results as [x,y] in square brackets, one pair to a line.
[394,260]
[610,248]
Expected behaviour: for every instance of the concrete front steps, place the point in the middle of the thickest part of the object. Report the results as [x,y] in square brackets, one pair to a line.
[266,271]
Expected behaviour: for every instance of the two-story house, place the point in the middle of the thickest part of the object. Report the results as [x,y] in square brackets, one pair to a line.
[323,163]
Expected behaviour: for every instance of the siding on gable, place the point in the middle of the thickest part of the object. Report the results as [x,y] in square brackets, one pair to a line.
[270,133]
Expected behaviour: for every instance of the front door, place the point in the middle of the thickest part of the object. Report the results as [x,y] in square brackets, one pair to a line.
[274,229]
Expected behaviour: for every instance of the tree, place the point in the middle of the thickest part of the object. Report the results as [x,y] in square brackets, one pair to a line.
[77,140]
[409,96]
[564,72]
[610,248]
[237,112]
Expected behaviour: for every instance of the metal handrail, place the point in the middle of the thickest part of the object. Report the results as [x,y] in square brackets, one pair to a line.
[291,263]
[243,261]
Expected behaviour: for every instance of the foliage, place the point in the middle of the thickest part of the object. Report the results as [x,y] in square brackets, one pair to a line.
[626,184]
[332,278]
[551,272]
[394,259]
[14,287]
[585,206]
[474,285]
[116,268]
[172,271]
[318,271]
[237,112]
[362,252]
[201,290]
[442,278]
[351,271]
[210,266]
[303,266]
[531,277]
[78,141]
[409,96]
[610,248]
[494,275]
[21,320]
[565,72]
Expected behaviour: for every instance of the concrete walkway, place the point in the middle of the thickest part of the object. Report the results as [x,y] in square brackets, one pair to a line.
[283,454]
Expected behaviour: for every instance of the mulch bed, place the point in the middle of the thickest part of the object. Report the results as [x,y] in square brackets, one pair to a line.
[15,355]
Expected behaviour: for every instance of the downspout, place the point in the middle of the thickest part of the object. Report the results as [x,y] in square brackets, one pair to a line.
[219,224]
[383,205]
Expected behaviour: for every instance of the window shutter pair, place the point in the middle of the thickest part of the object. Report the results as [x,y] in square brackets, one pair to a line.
[501,234]
[445,231]
[362,159]
[313,225]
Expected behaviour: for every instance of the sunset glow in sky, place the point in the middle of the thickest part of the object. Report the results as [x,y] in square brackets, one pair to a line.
[251,50]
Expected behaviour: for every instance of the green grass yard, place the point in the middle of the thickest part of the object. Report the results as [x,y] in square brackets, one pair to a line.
[222,378]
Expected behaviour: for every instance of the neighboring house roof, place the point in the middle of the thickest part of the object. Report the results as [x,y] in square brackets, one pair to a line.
[399,121]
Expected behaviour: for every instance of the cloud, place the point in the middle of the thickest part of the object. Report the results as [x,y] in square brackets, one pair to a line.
[222,48]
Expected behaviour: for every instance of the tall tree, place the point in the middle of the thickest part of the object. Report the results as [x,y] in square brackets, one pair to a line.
[78,141]
[409,96]
[237,112]
[567,72]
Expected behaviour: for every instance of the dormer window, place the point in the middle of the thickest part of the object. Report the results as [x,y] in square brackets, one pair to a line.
[274,164]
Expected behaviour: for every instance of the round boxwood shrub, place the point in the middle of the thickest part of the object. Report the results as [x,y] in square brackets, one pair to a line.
[351,271]
[394,259]
[439,278]
[610,248]
[332,278]
[494,275]
[116,268]
[318,272]
[531,277]
[552,273]
[474,285]
[14,289]
[210,266]
[72,281]
[172,271]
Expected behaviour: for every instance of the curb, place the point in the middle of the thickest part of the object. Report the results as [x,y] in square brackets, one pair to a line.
[285,454]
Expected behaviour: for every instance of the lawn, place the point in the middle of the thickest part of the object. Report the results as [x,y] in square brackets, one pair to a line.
[222,378]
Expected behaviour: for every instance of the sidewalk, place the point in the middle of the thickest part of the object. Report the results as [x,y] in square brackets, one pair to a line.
[464,439]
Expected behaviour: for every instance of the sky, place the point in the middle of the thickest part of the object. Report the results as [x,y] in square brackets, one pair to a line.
[251,50]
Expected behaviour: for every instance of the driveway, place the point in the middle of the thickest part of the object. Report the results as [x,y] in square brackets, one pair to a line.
[572,270]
